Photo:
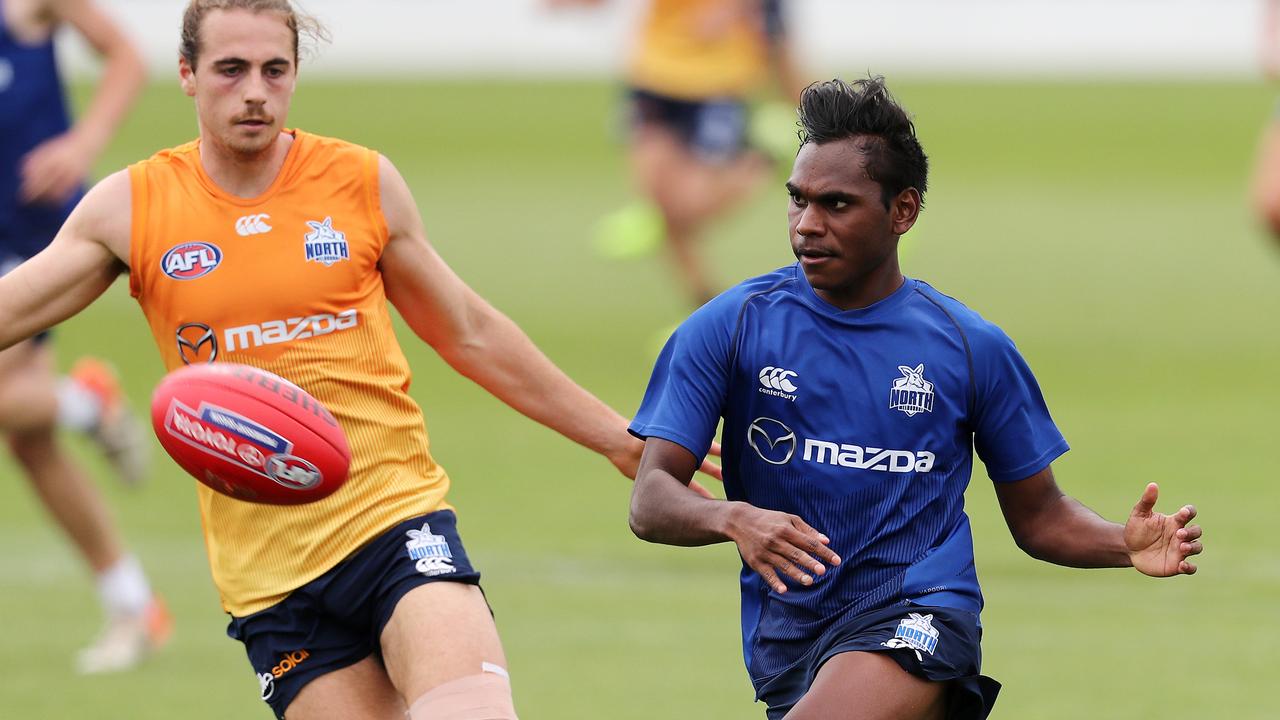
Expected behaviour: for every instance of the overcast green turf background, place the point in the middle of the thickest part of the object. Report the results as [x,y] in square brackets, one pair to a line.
[1105,227]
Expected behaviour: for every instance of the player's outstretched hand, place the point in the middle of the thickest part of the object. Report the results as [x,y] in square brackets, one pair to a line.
[774,543]
[54,169]
[1159,544]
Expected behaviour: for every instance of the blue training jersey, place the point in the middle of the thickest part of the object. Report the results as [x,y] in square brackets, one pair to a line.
[863,423]
[32,110]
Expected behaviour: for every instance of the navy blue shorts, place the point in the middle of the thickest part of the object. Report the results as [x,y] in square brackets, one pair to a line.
[336,620]
[934,643]
[714,129]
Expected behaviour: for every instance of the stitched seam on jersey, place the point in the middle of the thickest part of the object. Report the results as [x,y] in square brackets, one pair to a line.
[373,199]
[139,201]
[968,353]
[742,311]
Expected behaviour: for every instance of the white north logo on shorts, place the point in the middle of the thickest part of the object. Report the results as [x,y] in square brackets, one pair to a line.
[253,225]
[431,552]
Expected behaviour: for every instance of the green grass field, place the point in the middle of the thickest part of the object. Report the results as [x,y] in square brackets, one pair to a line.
[1105,227]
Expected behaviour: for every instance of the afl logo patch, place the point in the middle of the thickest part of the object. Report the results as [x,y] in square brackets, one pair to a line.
[191,260]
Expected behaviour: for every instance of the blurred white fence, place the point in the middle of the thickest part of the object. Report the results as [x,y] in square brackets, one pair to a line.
[1198,38]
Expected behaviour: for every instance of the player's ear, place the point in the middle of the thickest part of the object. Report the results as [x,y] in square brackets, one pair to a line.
[904,210]
[187,75]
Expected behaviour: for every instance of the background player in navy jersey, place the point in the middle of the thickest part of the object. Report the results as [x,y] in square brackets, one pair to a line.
[44,161]
[852,400]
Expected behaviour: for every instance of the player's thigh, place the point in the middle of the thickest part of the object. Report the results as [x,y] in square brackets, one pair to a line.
[439,632]
[362,690]
[869,686]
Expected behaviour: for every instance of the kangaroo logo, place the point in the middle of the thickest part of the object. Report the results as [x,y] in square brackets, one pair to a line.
[911,393]
[430,551]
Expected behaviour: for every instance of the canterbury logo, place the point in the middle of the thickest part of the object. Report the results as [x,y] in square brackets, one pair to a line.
[778,378]
[253,225]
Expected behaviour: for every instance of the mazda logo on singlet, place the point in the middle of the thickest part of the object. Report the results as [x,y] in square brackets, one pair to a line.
[197,343]
[774,442]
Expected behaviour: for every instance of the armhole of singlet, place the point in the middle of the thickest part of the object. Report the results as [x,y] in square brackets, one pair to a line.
[138,200]
[373,199]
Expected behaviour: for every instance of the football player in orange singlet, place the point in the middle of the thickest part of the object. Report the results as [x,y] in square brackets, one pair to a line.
[279,249]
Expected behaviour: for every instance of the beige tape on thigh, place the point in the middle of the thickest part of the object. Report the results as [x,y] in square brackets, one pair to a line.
[486,696]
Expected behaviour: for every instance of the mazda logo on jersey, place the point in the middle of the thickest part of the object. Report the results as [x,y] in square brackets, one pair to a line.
[774,442]
[197,343]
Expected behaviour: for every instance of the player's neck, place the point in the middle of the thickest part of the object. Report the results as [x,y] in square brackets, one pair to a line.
[865,291]
[244,175]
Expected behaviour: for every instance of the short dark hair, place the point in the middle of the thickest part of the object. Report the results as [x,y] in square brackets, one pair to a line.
[867,113]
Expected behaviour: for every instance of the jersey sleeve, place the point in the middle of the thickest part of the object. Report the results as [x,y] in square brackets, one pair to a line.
[1013,433]
[686,392]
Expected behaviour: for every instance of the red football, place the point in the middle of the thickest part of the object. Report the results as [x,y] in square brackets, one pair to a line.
[249,433]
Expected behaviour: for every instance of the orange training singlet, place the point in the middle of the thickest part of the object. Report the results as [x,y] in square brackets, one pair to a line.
[289,282]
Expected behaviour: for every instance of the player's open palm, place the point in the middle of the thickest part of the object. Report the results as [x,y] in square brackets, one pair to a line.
[777,544]
[1160,545]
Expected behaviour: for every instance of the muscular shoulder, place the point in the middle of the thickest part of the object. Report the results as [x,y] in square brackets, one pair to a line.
[105,215]
[982,334]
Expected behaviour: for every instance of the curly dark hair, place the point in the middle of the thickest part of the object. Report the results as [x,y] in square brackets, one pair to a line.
[866,112]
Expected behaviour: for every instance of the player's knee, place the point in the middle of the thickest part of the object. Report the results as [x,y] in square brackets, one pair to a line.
[32,447]
[485,696]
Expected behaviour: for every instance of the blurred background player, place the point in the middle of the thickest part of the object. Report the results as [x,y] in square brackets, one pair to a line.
[44,162]
[1266,177]
[694,67]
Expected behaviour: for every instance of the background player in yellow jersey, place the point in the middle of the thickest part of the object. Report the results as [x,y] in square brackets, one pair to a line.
[340,603]
[44,161]
[694,66]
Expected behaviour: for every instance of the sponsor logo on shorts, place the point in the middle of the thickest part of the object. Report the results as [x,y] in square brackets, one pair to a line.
[915,632]
[191,260]
[325,244]
[289,661]
[197,343]
[431,552]
[777,382]
[226,435]
[253,225]
[911,393]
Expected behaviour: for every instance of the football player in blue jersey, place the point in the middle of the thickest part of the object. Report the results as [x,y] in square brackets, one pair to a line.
[44,162]
[853,399]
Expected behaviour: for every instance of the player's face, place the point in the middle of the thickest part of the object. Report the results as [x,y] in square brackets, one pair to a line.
[841,232]
[244,81]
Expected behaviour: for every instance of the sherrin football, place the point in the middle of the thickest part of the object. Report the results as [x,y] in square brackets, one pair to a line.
[250,434]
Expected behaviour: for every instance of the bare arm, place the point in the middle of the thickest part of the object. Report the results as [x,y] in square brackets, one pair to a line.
[78,266]
[1049,525]
[52,171]
[664,509]
[482,343]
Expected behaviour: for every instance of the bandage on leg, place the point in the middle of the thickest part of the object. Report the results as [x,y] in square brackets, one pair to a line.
[485,696]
